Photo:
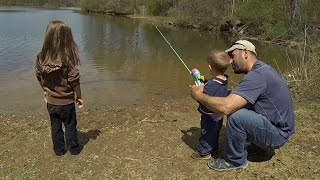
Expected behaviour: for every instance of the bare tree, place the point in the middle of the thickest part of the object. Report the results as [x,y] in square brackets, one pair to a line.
[296,9]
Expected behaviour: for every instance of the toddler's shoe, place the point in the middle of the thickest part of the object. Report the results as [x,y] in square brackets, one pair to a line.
[197,156]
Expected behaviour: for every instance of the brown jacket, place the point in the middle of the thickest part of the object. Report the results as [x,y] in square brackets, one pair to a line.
[58,83]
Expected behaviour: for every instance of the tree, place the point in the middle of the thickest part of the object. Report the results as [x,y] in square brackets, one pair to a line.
[296,6]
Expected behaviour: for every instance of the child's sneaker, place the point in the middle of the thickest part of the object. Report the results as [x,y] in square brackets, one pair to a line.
[197,156]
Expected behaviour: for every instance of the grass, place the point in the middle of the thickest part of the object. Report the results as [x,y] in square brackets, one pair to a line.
[145,142]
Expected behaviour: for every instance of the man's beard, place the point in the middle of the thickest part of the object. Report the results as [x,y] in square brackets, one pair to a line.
[237,70]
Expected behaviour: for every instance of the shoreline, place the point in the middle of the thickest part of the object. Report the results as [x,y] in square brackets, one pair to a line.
[169,22]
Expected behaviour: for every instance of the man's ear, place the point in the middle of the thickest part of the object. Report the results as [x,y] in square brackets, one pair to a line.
[245,54]
[210,67]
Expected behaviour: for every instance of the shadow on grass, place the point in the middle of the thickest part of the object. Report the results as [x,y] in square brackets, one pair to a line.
[191,137]
[84,137]
[257,154]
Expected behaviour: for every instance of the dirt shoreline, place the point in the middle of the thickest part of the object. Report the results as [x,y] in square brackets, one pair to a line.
[145,142]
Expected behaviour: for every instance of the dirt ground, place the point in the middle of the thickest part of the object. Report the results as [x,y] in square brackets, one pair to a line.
[152,141]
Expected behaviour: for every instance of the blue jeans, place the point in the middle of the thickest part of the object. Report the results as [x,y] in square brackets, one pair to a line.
[64,114]
[248,125]
[209,138]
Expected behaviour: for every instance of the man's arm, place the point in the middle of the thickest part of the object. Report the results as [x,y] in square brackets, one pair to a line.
[225,105]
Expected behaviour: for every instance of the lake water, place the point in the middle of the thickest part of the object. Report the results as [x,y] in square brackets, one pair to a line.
[123,61]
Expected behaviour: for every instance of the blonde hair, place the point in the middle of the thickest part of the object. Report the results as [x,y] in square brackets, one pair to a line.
[218,60]
[59,48]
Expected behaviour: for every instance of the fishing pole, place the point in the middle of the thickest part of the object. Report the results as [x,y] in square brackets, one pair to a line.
[194,72]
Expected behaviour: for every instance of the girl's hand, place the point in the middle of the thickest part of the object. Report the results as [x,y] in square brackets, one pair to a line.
[79,103]
[45,97]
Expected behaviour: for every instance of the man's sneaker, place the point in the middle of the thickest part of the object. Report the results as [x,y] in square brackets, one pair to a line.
[223,165]
[197,156]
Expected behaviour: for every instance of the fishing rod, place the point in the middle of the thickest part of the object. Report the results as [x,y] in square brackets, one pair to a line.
[194,72]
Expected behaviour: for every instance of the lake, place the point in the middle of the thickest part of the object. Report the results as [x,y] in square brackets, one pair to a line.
[123,61]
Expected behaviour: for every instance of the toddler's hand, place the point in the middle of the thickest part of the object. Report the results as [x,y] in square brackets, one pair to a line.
[202,79]
[79,103]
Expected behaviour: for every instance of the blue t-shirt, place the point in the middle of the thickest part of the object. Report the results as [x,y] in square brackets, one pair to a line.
[268,95]
[214,87]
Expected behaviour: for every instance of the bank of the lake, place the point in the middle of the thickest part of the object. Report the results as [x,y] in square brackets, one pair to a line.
[149,141]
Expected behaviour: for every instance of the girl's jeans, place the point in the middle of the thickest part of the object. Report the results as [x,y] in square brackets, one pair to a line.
[248,125]
[65,114]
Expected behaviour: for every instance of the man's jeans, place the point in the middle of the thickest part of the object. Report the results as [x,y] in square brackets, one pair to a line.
[245,125]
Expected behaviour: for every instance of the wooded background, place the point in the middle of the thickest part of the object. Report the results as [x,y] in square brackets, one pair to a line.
[268,19]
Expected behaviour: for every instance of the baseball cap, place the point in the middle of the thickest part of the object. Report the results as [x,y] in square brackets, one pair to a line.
[242,44]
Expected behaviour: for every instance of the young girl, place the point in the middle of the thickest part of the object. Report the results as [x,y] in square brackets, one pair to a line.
[59,78]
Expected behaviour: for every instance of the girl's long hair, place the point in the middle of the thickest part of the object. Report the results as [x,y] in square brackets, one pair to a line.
[59,48]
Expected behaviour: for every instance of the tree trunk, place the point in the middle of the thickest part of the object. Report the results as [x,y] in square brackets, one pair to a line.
[296,7]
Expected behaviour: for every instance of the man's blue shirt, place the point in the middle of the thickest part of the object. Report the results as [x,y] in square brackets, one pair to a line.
[268,94]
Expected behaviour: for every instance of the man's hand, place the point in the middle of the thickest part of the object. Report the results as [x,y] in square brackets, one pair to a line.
[79,103]
[196,91]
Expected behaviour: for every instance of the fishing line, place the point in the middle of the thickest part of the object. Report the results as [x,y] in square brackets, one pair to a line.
[174,50]
[194,73]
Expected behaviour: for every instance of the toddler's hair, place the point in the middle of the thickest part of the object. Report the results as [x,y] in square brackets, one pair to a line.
[59,47]
[218,60]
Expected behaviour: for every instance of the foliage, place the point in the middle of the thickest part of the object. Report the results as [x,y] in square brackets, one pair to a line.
[269,19]
[159,7]
[119,6]
[93,4]
[305,77]
[310,11]
[202,12]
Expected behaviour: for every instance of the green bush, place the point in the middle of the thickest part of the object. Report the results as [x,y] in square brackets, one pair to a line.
[159,7]
[279,30]
[270,20]
[201,12]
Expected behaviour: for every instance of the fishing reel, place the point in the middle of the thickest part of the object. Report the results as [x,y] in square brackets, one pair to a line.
[196,76]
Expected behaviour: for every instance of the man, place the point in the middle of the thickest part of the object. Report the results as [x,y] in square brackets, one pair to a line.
[259,109]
